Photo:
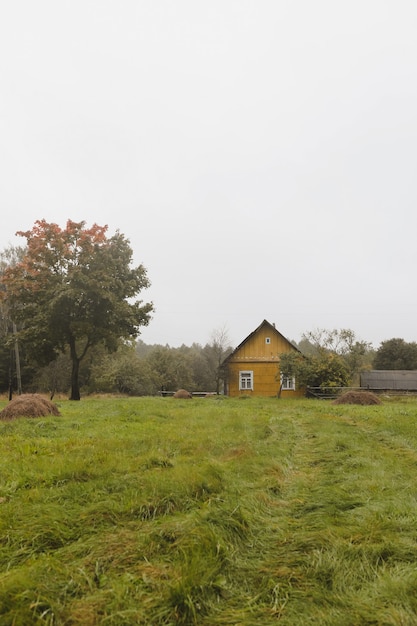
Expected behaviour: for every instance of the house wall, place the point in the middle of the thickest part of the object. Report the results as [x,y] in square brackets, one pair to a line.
[262,359]
[265,378]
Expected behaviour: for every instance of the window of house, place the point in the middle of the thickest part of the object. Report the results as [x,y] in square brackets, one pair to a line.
[288,383]
[246,380]
[267,339]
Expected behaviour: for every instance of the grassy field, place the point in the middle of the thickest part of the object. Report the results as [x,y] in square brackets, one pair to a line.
[213,511]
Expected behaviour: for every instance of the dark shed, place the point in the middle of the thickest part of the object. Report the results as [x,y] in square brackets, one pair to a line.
[401,380]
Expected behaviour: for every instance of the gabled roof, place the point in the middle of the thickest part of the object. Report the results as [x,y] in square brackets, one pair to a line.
[271,327]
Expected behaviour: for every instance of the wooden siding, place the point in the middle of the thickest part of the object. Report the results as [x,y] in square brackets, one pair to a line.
[259,353]
[256,348]
[266,379]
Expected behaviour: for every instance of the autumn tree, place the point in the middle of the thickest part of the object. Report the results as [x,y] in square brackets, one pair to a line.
[74,288]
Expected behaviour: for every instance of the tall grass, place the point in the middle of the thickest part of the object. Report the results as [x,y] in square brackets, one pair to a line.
[213,511]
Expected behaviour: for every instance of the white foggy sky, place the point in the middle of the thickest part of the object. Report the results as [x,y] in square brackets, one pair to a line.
[260,155]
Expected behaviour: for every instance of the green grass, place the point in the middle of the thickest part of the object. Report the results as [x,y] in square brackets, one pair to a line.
[214,512]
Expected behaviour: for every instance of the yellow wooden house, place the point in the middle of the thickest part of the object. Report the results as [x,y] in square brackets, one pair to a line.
[253,367]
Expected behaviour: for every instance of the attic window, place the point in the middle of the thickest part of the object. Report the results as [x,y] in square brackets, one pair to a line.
[267,339]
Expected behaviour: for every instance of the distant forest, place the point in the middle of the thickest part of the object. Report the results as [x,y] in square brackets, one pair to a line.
[138,368]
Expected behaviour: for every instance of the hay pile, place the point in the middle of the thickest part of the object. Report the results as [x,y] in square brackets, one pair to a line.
[182,394]
[28,405]
[357,397]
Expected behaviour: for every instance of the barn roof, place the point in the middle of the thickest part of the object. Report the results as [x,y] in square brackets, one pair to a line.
[405,380]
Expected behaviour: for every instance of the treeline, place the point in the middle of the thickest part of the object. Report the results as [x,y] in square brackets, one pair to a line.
[134,369]
[330,358]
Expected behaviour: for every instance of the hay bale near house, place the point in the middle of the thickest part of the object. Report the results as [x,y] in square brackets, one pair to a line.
[357,397]
[182,394]
[29,405]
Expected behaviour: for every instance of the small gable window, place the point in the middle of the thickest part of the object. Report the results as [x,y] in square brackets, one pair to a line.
[288,383]
[246,380]
[267,339]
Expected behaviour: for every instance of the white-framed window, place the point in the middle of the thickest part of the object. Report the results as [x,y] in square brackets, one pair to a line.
[288,383]
[267,339]
[246,380]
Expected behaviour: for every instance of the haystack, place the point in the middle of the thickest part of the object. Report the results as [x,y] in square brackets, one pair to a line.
[29,405]
[357,397]
[182,394]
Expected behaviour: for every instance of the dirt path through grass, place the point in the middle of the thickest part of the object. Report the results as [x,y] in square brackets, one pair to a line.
[348,555]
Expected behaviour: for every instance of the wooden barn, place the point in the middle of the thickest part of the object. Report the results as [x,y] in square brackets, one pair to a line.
[389,380]
[253,367]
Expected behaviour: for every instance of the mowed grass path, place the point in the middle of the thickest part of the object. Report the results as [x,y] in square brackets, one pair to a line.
[157,511]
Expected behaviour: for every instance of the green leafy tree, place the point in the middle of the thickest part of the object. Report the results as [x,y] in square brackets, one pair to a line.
[321,342]
[396,354]
[54,377]
[184,374]
[172,368]
[8,329]
[162,365]
[121,372]
[325,370]
[74,289]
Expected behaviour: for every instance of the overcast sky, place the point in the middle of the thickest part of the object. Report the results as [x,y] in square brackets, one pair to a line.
[260,155]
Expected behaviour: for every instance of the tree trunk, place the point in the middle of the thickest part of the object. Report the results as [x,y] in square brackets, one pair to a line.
[75,385]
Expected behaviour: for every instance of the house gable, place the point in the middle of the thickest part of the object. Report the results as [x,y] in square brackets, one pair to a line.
[265,343]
